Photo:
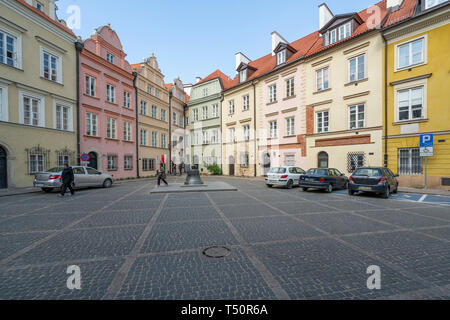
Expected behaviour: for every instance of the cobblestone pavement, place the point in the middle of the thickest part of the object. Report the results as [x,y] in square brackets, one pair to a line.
[285,244]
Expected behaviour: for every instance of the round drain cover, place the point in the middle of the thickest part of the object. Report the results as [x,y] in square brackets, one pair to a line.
[217,252]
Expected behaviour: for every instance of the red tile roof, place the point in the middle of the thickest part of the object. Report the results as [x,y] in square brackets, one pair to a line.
[406,11]
[169,86]
[226,80]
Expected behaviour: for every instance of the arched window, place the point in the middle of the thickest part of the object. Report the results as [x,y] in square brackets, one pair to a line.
[323,160]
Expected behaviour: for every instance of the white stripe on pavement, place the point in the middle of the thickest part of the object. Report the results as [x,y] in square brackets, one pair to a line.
[423,198]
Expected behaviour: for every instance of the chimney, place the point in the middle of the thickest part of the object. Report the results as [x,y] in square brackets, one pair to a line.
[276,40]
[393,5]
[240,57]
[198,79]
[325,15]
[52,9]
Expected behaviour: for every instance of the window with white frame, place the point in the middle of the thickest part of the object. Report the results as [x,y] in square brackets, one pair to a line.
[231,134]
[410,162]
[411,53]
[231,107]
[174,116]
[127,131]
[290,127]
[163,115]
[63,159]
[111,128]
[243,75]
[163,141]
[110,93]
[195,115]
[205,92]
[246,102]
[322,79]
[144,141]
[51,66]
[345,31]
[289,160]
[273,129]
[410,104]
[154,139]
[273,93]
[431,3]
[91,86]
[322,121]
[112,162]
[63,117]
[181,121]
[290,87]
[3,103]
[143,107]
[196,138]
[215,110]
[333,36]
[157,93]
[128,162]
[357,116]
[205,137]
[91,124]
[215,136]
[36,162]
[244,160]
[109,58]
[204,113]
[357,68]
[149,90]
[154,112]
[32,111]
[281,57]
[246,132]
[9,45]
[127,99]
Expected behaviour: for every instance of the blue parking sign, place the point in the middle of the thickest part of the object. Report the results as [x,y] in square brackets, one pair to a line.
[427,141]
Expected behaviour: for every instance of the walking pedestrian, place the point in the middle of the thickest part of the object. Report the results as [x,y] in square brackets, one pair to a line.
[180,166]
[67,179]
[162,176]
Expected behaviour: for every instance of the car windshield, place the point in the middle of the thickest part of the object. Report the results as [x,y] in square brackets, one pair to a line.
[368,172]
[55,170]
[319,172]
[278,170]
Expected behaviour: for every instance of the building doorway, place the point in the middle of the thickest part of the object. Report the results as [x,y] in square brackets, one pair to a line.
[3,169]
[266,163]
[231,164]
[93,161]
[323,160]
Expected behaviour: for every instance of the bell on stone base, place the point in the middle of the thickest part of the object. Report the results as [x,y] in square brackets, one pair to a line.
[193,177]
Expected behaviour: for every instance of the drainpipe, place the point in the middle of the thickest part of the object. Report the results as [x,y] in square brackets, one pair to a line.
[78,47]
[386,157]
[222,98]
[137,122]
[254,122]
[170,131]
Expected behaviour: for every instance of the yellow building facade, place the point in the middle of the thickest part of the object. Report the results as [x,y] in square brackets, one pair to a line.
[418,95]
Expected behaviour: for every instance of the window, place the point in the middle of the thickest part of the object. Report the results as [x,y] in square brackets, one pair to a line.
[174,118]
[91,124]
[111,126]
[215,136]
[290,127]
[231,109]
[195,115]
[3,103]
[205,137]
[127,99]
[149,90]
[128,162]
[8,49]
[148,164]
[411,53]
[154,139]
[246,104]
[63,160]
[432,3]
[231,134]
[323,161]
[333,36]
[109,57]
[143,107]
[181,122]
[273,125]
[357,116]
[357,69]
[244,160]
[281,57]
[322,123]
[154,112]
[205,92]
[290,87]
[110,93]
[163,115]
[322,79]
[410,162]
[345,31]
[127,131]
[32,112]
[36,162]
[112,162]
[246,131]
[204,113]
[410,104]
[157,93]
[39,6]
[355,161]
[243,75]
[163,141]
[273,93]
[144,137]
[290,161]
[215,110]
[50,66]
[62,118]
[91,87]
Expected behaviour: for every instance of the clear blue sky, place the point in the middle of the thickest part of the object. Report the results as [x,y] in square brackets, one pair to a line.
[194,38]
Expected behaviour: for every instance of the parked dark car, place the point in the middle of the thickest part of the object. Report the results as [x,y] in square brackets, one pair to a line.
[374,180]
[326,179]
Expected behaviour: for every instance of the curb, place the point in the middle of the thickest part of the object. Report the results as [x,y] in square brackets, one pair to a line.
[428,192]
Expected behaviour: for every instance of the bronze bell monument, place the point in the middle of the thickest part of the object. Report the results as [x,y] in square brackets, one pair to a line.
[193,177]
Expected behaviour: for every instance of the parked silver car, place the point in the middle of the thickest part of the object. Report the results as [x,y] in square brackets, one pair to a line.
[84,177]
[284,176]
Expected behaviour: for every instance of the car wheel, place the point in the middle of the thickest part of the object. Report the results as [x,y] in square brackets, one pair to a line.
[269,186]
[330,188]
[305,189]
[395,191]
[386,193]
[290,184]
[351,192]
[47,190]
[107,183]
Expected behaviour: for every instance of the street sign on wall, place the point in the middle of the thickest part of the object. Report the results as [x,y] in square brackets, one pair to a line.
[427,145]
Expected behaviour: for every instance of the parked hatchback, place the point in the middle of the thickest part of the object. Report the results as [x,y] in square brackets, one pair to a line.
[374,180]
[325,179]
[84,177]
[284,176]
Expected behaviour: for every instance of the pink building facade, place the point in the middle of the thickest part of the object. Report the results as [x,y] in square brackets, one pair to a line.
[107,105]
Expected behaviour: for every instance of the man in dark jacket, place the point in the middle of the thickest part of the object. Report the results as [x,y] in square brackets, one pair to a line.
[67,178]
[161,176]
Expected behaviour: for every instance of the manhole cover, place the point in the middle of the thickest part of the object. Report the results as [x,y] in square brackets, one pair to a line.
[217,252]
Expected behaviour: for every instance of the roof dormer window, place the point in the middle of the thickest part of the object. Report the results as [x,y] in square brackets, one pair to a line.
[39,6]
[338,34]
[243,75]
[281,57]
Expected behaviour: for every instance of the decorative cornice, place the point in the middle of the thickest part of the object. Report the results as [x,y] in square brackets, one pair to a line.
[51,45]
[321,103]
[245,120]
[425,76]
[13,25]
[364,45]
[272,114]
[357,95]
[318,63]
[289,110]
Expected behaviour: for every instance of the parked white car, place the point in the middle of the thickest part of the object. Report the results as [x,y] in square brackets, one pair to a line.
[286,176]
